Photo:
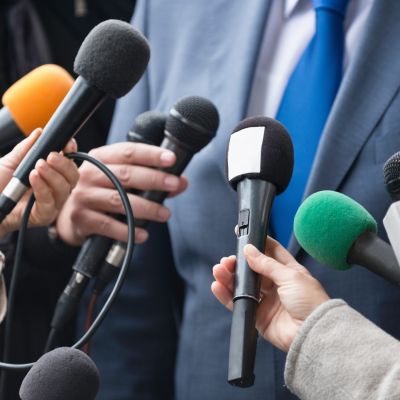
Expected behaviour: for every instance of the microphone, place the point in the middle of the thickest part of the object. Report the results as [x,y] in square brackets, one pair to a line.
[191,124]
[259,166]
[391,221]
[339,232]
[110,61]
[30,102]
[148,128]
[62,374]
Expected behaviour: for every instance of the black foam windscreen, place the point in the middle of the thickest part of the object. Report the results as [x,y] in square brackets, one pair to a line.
[149,127]
[61,374]
[193,120]
[391,173]
[264,152]
[113,57]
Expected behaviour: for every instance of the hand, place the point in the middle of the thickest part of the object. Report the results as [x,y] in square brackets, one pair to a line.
[134,165]
[51,181]
[289,292]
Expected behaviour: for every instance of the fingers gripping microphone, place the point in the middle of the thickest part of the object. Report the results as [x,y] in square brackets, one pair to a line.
[61,374]
[391,221]
[31,101]
[148,128]
[259,166]
[339,232]
[190,126]
[110,61]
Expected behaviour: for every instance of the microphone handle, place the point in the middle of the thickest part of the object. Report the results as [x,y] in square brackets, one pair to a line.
[76,108]
[376,255]
[255,202]
[10,134]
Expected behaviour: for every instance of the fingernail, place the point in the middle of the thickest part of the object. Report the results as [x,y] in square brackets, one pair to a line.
[141,236]
[163,213]
[250,250]
[54,157]
[171,182]
[167,157]
[42,165]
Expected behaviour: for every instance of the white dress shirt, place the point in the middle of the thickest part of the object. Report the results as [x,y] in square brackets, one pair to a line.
[289,29]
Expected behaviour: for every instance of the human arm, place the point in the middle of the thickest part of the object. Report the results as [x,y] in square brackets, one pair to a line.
[333,351]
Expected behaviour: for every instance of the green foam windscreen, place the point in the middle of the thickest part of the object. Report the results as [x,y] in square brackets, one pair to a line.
[327,224]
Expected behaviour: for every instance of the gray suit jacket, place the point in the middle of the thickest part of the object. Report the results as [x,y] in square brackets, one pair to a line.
[210,49]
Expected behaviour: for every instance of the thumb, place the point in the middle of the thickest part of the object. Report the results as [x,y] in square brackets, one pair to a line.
[267,266]
[15,156]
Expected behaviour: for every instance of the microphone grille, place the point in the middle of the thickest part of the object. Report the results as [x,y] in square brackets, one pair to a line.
[113,57]
[148,127]
[391,173]
[193,121]
[260,148]
[63,373]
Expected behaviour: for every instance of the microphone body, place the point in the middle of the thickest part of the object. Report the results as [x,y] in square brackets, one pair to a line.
[10,134]
[79,104]
[255,203]
[148,128]
[376,255]
[259,166]
[190,126]
[339,232]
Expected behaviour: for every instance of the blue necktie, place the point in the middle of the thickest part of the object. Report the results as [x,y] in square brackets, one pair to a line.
[306,104]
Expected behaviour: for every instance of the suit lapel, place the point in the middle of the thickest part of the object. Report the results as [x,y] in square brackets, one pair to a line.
[240,30]
[370,83]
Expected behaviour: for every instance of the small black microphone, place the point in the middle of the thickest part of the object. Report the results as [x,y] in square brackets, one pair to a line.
[391,221]
[148,128]
[110,61]
[62,374]
[259,166]
[191,124]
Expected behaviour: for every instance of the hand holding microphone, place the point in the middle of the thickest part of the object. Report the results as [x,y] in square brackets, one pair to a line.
[51,181]
[110,61]
[289,294]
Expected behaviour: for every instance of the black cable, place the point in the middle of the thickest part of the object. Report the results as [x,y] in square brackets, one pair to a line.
[12,290]
[125,265]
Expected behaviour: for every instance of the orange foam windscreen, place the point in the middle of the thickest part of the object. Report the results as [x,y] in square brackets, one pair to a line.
[33,99]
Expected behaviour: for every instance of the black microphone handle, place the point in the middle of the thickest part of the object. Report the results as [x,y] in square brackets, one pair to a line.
[76,108]
[255,202]
[376,255]
[10,134]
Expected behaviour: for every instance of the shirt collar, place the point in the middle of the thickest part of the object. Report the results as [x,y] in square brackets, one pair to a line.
[290,5]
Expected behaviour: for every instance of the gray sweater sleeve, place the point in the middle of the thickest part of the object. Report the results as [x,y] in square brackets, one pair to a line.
[340,355]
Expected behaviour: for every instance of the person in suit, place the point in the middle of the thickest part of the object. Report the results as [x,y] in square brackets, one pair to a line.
[248,58]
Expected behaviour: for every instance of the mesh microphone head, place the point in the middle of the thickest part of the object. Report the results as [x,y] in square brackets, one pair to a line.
[260,148]
[148,127]
[193,121]
[391,173]
[61,374]
[113,57]
[33,99]
[328,223]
